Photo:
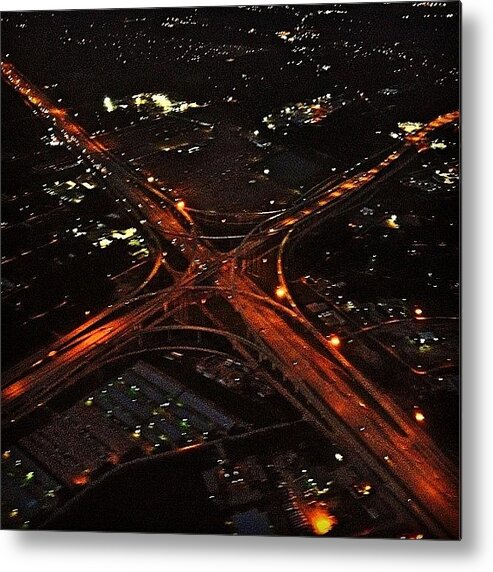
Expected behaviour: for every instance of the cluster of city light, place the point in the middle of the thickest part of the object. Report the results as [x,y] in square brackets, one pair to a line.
[159,101]
[162,101]
[108,104]
[303,112]
[410,126]
[391,222]
[363,489]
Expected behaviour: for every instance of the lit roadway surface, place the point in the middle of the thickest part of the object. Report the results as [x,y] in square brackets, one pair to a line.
[166,222]
[361,418]
[357,419]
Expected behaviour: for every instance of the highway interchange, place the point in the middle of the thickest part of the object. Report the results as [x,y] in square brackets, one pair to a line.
[328,389]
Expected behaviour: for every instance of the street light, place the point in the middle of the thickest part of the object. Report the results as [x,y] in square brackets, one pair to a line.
[280,292]
[418,311]
[335,340]
[180,205]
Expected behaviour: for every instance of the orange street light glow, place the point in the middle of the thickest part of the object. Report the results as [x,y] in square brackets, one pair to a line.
[419,416]
[80,480]
[335,340]
[418,311]
[180,205]
[321,521]
[150,179]
[280,292]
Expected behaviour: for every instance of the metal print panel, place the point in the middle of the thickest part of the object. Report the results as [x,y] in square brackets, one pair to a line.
[230,270]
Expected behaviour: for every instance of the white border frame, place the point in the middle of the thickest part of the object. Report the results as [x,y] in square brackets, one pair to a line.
[57,552]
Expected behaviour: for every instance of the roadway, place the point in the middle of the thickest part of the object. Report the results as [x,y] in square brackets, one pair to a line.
[338,389]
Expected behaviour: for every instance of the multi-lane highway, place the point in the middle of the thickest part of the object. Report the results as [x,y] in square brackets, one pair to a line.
[363,419]
[362,413]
